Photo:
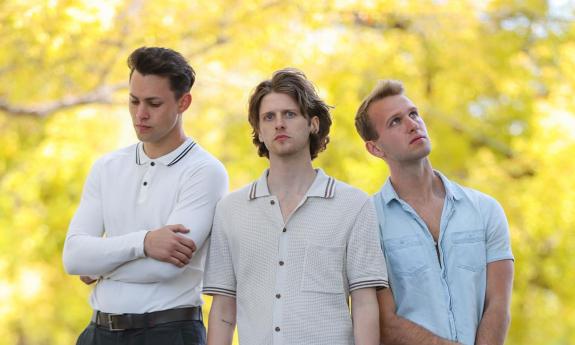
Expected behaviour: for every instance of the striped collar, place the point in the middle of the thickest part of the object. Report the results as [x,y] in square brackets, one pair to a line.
[323,186]
[168,159]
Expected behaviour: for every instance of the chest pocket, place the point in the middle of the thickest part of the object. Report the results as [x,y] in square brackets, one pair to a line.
[323,269]
[469,250]
[405,255]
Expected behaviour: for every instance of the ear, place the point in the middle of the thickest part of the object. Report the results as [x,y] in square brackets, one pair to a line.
[374,149]
[184,102]
[314,124]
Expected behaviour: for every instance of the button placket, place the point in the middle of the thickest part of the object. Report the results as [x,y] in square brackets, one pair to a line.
[281,279]
[146,181]
[271,207]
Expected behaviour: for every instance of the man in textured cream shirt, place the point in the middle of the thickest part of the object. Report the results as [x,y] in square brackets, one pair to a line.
[145,213]
[289,249]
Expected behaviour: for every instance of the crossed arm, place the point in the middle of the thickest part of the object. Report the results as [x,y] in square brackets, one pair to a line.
[164,245]
[142,256]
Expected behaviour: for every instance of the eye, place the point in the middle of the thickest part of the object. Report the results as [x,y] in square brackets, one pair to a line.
[413,114]
[290,114]
[268,116]
[394,122]
[134,101]
[155,105]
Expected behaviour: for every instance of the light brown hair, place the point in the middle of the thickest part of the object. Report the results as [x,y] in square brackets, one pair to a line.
[363,124]
[293,83]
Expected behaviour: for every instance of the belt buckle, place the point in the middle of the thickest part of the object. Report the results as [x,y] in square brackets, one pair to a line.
[110,322]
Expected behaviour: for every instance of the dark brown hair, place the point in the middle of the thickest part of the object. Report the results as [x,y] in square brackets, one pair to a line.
[164,62]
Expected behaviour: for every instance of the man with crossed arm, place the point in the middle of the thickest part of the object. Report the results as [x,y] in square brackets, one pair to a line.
[446,246]
[145,213]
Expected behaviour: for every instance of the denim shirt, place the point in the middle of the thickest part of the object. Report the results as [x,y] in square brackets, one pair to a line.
[442,289]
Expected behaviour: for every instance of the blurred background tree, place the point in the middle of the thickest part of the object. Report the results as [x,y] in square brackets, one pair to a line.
[494,81]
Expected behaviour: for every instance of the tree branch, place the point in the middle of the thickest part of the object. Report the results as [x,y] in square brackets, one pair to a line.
[101,95]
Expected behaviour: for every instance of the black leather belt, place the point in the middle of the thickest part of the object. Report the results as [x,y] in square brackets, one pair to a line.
[120,322]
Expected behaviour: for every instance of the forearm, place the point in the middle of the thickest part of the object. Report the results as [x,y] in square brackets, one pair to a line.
[222,320]
[166,258]
[89,255]
[144,270]
[493,327]
[365,315]
[396,330]
[404,332]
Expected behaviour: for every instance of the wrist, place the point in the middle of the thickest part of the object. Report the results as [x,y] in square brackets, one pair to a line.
[144,243]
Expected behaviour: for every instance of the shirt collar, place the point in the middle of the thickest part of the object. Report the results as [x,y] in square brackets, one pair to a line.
[323,186]
[168,159]
[388,193]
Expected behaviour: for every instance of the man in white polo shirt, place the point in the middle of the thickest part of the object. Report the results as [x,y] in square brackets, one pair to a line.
[145,213]
[288,249]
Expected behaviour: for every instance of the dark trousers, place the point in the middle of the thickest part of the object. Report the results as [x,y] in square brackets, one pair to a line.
[173,333]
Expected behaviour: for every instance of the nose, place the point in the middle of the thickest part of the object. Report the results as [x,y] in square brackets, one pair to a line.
[279,123]
[412,124]
[142,112]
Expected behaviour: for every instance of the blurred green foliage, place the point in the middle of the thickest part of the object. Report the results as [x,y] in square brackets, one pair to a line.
[493,79]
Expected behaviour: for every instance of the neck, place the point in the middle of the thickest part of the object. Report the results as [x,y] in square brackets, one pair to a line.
[290,175]
[417,181]
[164,146]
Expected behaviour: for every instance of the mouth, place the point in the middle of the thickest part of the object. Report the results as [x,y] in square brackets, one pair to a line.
[418,138]
[142,127]
[281,137]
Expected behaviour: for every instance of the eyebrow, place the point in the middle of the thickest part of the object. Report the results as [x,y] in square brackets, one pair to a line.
[295,110]
[147,99]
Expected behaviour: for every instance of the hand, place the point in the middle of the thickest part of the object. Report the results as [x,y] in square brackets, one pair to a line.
[165,244]
[88,279]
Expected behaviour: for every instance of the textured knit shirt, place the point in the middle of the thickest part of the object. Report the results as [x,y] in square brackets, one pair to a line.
[442,288]
[292,280]
[127,194]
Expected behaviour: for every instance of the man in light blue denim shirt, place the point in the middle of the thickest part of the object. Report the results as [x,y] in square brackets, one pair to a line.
[447,247]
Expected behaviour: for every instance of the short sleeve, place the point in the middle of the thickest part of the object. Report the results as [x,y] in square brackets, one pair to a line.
[498,243]
[365,261]
[219,278]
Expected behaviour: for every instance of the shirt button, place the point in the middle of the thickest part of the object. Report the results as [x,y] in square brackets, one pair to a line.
[272,202]
[278,296]
[284,230]
[152,164]
[145,183]
[277,329]
[281,263]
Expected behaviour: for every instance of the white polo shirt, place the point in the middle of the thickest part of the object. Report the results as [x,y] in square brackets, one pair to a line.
[292,280]
[127,194]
